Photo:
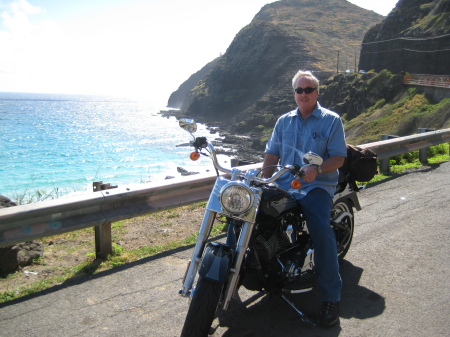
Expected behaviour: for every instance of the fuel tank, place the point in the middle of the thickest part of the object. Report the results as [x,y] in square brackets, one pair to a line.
[276,201]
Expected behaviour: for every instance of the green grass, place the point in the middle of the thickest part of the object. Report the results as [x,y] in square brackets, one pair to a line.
[409,161]
[33,288]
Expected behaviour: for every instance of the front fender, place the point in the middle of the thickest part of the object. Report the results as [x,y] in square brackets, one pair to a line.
[216,262]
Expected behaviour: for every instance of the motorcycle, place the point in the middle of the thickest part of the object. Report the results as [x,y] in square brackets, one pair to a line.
[267,247]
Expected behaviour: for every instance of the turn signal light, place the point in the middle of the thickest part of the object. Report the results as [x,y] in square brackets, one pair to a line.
[296,184]
[194,156]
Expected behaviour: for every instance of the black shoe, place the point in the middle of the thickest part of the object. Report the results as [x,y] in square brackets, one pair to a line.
[329,314]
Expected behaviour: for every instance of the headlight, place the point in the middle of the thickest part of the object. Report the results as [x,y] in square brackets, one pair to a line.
[236,198]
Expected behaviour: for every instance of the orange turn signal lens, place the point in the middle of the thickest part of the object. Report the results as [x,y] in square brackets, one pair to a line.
[296,184]
[194,156]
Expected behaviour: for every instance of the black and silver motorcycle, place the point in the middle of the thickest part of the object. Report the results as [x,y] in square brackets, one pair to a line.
[267,247]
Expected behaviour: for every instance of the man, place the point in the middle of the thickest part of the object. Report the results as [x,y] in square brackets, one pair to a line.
[311,127]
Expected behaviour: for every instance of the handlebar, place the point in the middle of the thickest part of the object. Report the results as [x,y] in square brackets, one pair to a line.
[294,169]
[183,144]
[202,142]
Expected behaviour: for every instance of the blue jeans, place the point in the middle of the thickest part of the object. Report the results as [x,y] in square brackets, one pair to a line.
[316,207]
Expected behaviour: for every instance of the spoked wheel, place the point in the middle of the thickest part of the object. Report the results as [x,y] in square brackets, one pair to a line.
[344,230]
[202,309]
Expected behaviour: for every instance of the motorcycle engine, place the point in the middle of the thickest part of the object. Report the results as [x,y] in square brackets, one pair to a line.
[267,246]
[279,247]
[278,236]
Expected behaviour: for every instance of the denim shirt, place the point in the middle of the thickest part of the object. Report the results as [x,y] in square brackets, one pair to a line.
[320,132]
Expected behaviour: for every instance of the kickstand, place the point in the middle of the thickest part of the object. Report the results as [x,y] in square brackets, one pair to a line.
[303,316]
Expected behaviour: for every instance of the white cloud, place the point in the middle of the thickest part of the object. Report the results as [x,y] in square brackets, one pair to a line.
[17,16]
[27,48]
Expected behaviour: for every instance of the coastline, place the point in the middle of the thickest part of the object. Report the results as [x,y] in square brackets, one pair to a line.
[233,145]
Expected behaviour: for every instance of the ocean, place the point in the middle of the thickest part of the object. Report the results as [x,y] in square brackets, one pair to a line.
[63,143]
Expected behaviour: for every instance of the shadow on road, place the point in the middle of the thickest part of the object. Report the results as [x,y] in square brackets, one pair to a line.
[261,315]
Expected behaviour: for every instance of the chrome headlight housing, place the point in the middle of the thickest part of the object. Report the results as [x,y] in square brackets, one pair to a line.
[236,198]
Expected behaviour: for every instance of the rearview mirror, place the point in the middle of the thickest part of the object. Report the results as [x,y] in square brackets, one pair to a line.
[188,124]
[312,159]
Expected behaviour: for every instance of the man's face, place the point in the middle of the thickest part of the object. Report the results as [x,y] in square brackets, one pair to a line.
[306,102]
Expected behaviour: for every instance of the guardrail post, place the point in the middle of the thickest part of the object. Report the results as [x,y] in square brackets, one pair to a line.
[423,157]
[384,163]
[103,238]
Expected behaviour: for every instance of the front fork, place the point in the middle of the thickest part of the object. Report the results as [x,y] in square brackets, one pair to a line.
[234,271]
[239,247]
[194,263]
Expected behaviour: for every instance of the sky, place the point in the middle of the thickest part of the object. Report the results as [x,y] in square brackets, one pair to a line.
[144,48]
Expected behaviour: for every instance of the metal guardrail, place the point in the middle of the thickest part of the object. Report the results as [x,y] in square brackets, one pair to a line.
[392,147]
[26,222]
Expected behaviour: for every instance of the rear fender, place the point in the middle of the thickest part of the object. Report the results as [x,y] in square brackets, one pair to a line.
[352,197]
[216,262]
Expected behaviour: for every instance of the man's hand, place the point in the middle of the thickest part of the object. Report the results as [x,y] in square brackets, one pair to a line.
[310,173]
[329,165]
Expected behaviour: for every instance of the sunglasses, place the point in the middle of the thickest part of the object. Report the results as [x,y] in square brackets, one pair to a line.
[307,90]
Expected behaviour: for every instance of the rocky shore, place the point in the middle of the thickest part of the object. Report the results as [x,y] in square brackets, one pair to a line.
[242,147]
[19,255]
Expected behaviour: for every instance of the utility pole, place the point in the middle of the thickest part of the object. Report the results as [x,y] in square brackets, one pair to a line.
[337,65]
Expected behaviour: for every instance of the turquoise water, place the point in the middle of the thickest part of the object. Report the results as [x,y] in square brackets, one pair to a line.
[69,141]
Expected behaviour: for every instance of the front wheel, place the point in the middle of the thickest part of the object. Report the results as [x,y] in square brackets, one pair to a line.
[203,307]
[344,233]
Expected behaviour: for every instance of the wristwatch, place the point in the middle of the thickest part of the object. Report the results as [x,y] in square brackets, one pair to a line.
[319,169]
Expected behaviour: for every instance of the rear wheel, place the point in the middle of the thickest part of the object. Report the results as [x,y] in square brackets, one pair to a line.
[343,230]
[203,307]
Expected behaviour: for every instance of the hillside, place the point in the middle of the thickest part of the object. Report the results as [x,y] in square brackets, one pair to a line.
[254,74]
[414,38]
[391,108]
[177,98]
[370,104]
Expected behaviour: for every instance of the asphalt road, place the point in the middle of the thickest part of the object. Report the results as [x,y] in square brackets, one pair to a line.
[396,282]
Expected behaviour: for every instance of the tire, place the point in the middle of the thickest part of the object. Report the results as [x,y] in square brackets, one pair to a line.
[343,236]
[202,309]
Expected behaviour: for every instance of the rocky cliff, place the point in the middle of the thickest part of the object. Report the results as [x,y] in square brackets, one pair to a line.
[414,38]
[254,75]
[178,97]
